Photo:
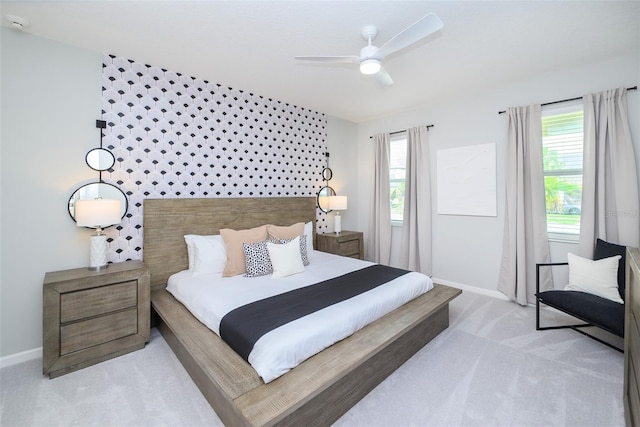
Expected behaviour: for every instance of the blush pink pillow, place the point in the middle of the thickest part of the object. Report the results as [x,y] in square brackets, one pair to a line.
[233,240]
[285,232]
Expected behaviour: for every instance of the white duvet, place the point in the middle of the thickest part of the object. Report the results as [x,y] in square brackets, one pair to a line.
[209,297]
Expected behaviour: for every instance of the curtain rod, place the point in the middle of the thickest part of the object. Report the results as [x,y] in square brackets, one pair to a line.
[400,131]
[567,100]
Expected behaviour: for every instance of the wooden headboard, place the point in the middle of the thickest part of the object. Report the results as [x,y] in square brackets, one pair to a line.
[166,221]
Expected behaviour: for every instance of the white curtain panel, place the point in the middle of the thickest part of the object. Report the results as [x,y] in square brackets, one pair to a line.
[415,251]
[525,240]
[379,241]
[610,206]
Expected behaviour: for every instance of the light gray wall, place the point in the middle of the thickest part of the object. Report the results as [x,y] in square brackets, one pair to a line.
[50,101]
[467,249]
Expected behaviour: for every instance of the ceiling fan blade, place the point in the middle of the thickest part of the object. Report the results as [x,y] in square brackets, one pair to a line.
[383,78]
[328,58]
[424,27]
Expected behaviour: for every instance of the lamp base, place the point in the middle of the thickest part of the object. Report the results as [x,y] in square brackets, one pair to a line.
[337,223]
[98,253]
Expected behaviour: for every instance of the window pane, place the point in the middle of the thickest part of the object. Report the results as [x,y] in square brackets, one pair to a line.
[562,139]
[564,198]
[397,163]
[562,143]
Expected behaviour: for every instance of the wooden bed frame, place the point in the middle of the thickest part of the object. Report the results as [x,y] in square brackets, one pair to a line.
[319,390]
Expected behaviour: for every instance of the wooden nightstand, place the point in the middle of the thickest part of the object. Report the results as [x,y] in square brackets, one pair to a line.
[92,316]
[348,243]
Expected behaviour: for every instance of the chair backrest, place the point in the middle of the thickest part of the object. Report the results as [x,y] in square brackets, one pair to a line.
[606,250]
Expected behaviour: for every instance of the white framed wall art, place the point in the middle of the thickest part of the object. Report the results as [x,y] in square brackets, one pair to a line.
[466,180]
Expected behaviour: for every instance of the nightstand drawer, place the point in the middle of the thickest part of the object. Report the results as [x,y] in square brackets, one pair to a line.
[87,333]
[93,302]
[347,243]
[349,248]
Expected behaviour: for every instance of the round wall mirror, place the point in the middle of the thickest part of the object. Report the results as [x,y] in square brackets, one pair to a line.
[327,174]
[98,190]
[323,198]
[100,159]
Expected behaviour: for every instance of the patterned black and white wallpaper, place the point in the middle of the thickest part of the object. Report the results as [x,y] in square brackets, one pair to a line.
[178,136]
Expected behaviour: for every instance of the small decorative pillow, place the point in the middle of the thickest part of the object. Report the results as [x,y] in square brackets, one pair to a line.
[598,277]
[308,231]
[258,261]
[285,258]
[303,248]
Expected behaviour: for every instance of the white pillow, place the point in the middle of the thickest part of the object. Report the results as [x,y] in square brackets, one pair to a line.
[308,231]
[285,258]
[303,247]
[598,277]
[207,254]
[191,250]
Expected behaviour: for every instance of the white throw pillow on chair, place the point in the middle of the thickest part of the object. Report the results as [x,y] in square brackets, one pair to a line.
[598,277]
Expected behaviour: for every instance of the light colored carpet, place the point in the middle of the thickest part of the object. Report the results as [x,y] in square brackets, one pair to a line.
[489,368]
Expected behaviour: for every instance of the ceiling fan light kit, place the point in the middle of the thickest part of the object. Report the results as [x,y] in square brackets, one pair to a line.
[370,66]
[371,57]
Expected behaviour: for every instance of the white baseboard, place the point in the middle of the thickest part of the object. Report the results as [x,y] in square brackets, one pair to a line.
[474,289]
[25,356]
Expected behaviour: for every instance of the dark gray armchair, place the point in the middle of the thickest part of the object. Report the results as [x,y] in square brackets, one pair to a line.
[591,309]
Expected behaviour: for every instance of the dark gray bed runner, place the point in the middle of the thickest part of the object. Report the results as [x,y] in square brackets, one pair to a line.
[242,327]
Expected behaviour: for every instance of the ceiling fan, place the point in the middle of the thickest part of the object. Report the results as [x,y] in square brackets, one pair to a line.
[371,57]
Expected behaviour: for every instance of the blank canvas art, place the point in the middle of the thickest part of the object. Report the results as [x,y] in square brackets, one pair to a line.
[466,180]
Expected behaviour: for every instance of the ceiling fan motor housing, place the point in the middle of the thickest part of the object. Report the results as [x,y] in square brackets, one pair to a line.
[369,32]
[369,52]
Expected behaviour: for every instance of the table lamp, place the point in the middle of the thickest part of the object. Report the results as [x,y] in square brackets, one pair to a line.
[337,203]
[98,213]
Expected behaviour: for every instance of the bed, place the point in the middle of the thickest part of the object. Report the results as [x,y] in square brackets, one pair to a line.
[320,389]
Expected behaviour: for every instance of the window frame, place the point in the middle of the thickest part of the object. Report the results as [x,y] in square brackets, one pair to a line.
[575,106]
[394,139]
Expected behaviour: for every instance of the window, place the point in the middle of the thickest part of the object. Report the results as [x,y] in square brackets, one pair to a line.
[562,142]
[397,165]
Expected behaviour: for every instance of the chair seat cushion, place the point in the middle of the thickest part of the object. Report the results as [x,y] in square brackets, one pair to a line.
[598,311]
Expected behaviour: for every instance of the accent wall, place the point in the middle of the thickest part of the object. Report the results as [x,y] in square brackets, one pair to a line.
[175,136]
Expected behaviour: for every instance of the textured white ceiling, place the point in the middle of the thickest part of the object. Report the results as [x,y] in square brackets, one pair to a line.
[250,45]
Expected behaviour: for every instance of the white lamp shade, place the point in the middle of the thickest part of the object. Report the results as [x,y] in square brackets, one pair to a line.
[338,203]
[97,212]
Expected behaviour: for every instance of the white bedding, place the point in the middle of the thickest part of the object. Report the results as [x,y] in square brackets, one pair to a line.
[210,297]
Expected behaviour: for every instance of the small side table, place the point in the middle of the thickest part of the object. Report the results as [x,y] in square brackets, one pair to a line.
[347,243]
[93,316]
